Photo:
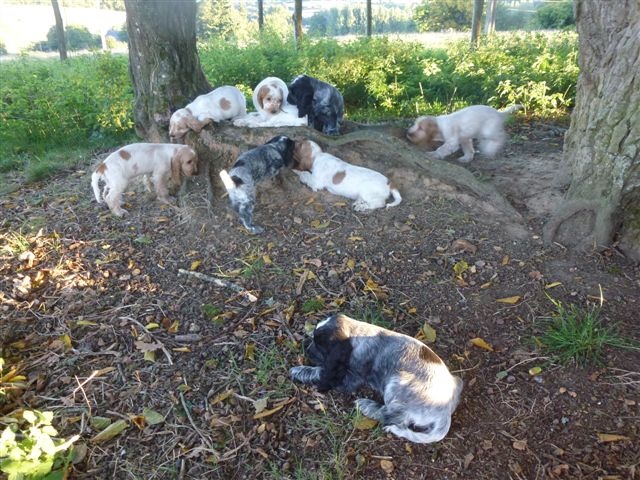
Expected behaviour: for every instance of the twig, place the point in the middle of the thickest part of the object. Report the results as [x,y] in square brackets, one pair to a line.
[81,385]
[220,283]
[204,439]
[162,347]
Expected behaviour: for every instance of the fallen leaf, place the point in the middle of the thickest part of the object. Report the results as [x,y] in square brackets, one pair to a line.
[535,275]
[428,333]
[66,340]
[195,264]
[221,397]
[250,351]
[535,371]
[479,342]
[462,245]
[152,326]
[485,285]
[520,444]
[152,417]
[85,323]
[150,356]
[315,262]
[267,260]
[387,466]
[351,263]
[510,300]
[467,460]
[111,431]
[319,225]
[100,423]
[355,238]
[260,405]
[611,437]
[147,347]
[552,284]
[139,421]
[505,260]
[361,422]
[181,349]
[267,413]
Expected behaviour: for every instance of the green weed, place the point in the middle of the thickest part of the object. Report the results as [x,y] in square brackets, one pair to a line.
[312,305]
[578,335]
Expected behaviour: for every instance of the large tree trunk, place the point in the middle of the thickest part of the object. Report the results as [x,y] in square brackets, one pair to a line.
[602,145]
[476,22]
[62,41]
[163,62]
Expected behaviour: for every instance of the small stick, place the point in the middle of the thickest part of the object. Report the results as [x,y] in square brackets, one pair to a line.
[220,283]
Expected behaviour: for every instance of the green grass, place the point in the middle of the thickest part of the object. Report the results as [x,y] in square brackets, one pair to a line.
[312,305]
[579,335]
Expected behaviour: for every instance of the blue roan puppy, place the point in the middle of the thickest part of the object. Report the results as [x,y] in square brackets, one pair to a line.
[419,392]
[250,168]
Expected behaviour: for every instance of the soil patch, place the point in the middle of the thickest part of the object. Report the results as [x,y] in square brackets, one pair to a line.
[98,318]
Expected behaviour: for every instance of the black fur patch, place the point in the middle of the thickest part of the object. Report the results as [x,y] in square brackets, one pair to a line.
[322,103]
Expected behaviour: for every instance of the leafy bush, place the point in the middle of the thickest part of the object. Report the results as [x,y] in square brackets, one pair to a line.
[435,15]
[555,15]
[32,452]
[78,38]
[48,104]
[3,48]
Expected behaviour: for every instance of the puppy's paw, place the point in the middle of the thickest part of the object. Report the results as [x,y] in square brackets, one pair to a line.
[369,408]
[255,229]
[361,206]
[302,374]
[465,159]
[168,200]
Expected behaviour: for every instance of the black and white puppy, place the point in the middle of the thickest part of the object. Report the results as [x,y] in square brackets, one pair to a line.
[419,392]
[249,169]
[322,103]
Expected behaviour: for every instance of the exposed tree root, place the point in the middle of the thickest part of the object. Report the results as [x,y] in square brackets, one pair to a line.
[580,234]
[218,145]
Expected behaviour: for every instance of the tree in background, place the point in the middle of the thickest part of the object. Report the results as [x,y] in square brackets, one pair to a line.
[601,150]
[59,30]
[163,62]
[352,21]
[77,37]
[554,15]
[436,15]
[478,6]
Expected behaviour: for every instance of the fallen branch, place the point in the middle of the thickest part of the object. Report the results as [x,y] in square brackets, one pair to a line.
[220,283]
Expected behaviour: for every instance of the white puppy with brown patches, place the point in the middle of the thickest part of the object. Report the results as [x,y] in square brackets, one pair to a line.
[163,162]
[223,103]
[419,393]
[320,170]
[458,130]
[272,109]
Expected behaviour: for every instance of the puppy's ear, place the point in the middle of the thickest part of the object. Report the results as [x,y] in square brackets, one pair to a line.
[336,365]
[176,167]
[263,92]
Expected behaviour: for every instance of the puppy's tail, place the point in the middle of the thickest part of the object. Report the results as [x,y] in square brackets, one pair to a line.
[396,198]
[95,180]
[230,183]
[512,109]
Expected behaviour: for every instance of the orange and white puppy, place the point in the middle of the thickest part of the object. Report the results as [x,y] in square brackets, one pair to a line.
[458,130]
[223,103]
[320,170]
[163,162]
[272,109]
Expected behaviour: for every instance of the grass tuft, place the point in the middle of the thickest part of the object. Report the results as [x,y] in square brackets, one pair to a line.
[578,335]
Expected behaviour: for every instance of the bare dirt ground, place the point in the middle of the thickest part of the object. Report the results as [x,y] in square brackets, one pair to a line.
[98,318]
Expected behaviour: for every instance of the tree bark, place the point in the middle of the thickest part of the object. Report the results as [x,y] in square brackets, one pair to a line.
[260,15]
[476,22]
[369,19]
[490,19]
[62,41]
[163,62]
[297,21]
[602,144]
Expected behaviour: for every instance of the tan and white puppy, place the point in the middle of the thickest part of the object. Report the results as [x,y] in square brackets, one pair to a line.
[272,109]
[320,170]
[223,103]
[419,393]
[458,130]
[163,162]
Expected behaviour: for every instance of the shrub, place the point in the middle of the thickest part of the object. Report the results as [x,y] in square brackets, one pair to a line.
[3,48]
[555,15]
[78,38]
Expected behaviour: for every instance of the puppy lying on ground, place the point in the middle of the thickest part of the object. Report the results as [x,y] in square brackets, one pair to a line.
[319,170]
[250,168]
[223,103]
[272,108]
[163,162]
[320,102]
[458,129]
[419,393]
